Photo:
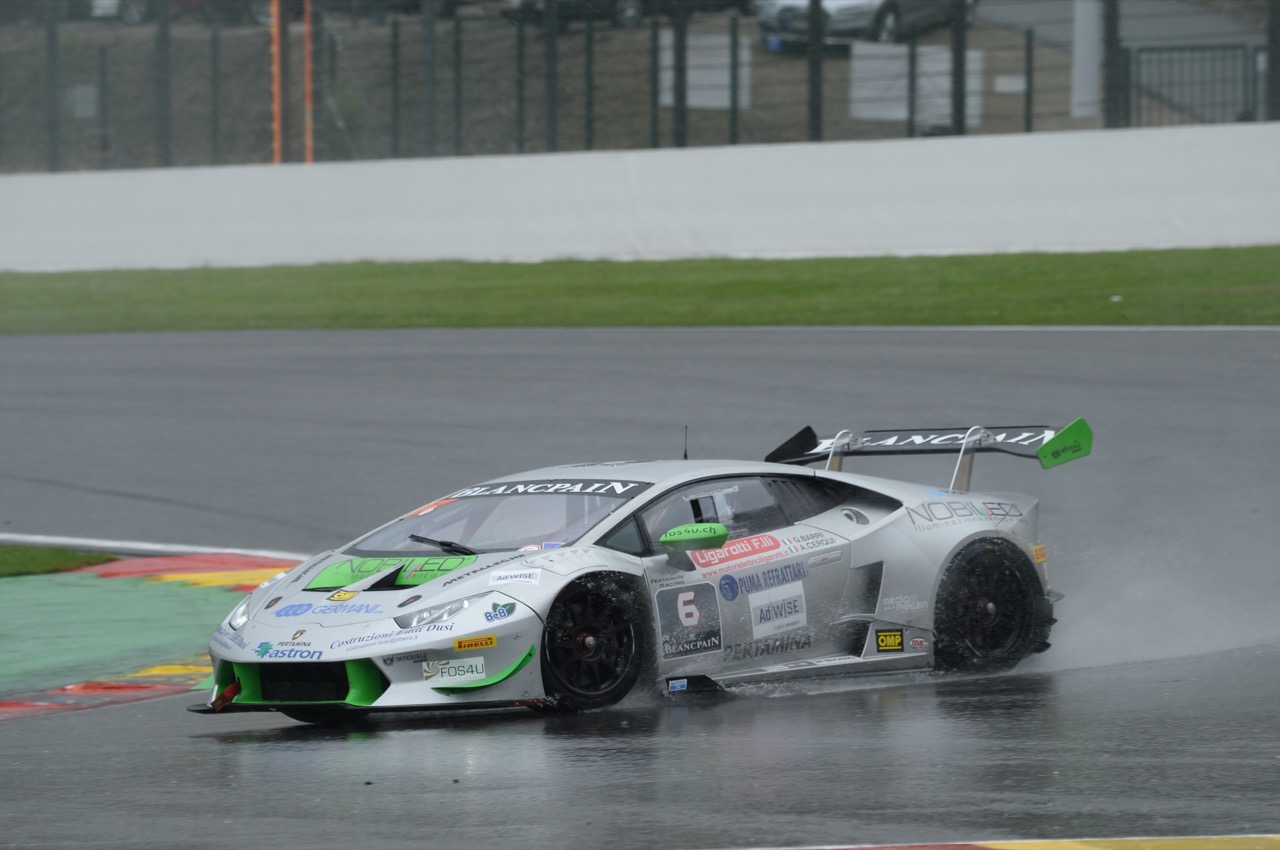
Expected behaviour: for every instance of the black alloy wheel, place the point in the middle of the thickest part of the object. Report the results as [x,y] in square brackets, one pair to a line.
[990,611]
[592,646]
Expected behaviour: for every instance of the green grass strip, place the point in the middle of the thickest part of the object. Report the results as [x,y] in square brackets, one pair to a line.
[33,561]
[1187,287]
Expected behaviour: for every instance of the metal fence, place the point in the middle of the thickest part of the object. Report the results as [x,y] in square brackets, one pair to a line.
[187,90]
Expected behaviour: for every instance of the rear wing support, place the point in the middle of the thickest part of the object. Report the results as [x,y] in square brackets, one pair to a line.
[1051,446]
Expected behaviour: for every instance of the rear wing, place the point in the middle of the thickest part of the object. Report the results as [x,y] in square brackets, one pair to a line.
[1051,446]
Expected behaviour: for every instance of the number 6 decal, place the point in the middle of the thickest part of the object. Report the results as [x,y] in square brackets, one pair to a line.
[688,611]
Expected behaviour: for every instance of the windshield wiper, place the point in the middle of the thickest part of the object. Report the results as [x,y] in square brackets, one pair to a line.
[444,545]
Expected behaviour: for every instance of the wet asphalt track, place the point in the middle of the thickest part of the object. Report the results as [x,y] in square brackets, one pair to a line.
[1153,714]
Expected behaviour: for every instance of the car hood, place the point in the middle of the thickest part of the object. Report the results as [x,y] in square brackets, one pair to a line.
[340,588]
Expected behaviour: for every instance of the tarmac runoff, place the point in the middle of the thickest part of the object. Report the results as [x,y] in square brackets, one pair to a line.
[1207,842]
[75,640]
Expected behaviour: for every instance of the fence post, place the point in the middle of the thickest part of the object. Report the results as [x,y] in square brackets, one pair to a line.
[395,88]
[551,29]
[457,85]
[1114,76]
[1273,62]
[733,79]
[655,60]
[429,83]
[104,148]
[52,85]
[680,77]
[520,84]
[817,43]
[587,87]
[959,61]
[215,94]
[1029,78]
[913,82]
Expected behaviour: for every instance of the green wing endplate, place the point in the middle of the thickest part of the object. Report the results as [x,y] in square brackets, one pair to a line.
[1071,443]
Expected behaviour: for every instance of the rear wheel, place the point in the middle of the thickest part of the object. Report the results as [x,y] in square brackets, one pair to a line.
[593,645]
[991,610]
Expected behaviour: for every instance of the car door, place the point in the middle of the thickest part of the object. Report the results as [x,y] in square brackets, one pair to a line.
[763,597]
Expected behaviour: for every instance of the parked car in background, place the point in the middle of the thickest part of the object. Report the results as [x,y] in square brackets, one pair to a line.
[622,13]
[787,21]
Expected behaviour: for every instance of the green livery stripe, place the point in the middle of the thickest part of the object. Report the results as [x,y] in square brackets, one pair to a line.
[462,688]
[413,571]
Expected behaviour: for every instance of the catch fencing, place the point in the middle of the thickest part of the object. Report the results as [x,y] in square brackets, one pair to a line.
[87,94]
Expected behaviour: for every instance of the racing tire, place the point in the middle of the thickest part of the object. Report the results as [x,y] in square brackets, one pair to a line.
[991,611]
[593,644]
[325,715]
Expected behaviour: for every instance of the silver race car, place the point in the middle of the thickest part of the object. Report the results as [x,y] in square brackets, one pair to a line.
[565,588]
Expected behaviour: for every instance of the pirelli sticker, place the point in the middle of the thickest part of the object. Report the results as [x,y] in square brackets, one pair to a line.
[470,643]
[888,640]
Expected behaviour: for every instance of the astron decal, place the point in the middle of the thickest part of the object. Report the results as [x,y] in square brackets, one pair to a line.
[513,488]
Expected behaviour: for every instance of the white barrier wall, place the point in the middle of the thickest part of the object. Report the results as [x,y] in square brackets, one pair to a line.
[1080,191]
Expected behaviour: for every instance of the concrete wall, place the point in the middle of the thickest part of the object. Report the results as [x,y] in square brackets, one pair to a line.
[1083,191]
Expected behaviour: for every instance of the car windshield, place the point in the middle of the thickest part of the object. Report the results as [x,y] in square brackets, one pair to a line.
[494,518]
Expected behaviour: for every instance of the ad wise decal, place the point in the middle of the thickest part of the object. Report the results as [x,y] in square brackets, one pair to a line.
[776,611]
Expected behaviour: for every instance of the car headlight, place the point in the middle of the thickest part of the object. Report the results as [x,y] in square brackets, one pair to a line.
[240,614]
[437,613]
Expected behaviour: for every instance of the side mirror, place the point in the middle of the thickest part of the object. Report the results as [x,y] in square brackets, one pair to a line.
[691,537]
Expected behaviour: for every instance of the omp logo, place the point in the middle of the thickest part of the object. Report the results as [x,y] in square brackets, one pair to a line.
[500,612]
[343,595]
[482,642]
[888,640]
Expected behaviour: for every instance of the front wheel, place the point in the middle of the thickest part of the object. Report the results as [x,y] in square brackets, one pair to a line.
[991,610]
[593,644]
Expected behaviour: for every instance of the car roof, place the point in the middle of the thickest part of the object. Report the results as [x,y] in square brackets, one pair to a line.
[665,472]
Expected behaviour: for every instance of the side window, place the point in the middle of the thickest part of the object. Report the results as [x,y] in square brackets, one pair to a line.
[802,498]
[743,505]
[626,538]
